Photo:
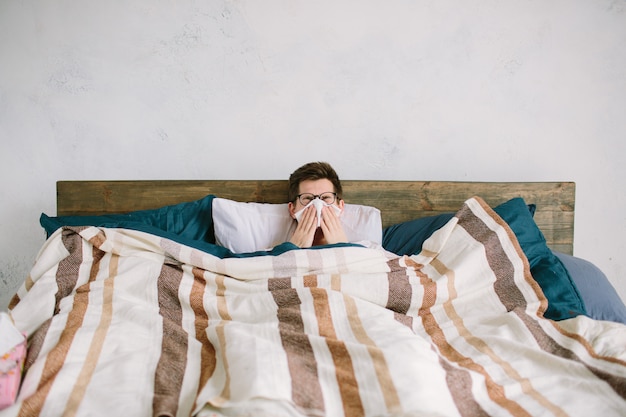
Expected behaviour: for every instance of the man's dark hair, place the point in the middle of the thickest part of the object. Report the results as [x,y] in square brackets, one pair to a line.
[313,171]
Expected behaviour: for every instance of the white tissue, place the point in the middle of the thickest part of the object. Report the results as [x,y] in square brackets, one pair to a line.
[319,204]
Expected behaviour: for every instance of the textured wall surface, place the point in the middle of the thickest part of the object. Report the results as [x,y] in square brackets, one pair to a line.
[449,90]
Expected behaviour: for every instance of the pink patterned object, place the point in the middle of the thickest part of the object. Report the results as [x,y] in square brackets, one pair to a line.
[11,364]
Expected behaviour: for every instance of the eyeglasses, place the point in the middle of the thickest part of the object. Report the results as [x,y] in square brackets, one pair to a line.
[327,198]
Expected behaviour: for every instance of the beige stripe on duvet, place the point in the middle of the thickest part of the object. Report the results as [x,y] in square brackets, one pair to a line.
[508,292]
[388,388]
[95,348]
[222,308]
[65,278]
[383,374]
[495,391]
[483,347]
[549,344]
[344,369]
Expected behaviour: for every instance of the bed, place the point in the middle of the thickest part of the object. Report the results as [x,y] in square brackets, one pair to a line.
[453,299]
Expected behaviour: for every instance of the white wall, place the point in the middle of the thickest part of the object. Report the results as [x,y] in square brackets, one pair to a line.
[519,90]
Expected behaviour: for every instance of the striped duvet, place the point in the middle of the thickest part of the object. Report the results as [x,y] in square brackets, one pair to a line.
[126,323]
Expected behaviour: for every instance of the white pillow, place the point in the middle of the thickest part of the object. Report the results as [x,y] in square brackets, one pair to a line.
[251,227]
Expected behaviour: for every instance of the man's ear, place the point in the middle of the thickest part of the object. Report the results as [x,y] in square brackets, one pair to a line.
[340,203]
[292,210]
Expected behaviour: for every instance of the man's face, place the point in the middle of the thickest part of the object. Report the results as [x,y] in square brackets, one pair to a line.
[317,188]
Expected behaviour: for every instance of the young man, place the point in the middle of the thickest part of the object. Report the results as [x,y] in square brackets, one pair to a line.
[316,181]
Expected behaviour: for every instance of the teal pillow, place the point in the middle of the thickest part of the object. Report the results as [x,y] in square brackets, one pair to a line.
[564,300]
[191,220]
[407,238]
[189,224]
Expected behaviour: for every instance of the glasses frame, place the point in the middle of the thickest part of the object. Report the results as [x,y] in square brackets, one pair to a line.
[299,196]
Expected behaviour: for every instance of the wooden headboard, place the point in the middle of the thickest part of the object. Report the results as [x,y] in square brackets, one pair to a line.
[398,200]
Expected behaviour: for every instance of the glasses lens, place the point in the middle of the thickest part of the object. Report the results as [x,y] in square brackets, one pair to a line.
[328,198]
[306,198]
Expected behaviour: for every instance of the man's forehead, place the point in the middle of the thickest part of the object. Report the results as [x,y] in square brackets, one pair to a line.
[323,183]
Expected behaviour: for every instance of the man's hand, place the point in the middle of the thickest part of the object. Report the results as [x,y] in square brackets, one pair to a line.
[305,230]
[331,226]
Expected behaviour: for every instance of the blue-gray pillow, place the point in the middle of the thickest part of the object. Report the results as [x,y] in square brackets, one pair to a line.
[564,300]
[601,300]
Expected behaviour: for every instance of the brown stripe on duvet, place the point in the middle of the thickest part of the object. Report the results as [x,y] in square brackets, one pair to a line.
[460,381]
[68,268]
[543,301]
[310,280]
[548,344]
[35,342]
[39,336]
[305,385]
[509,294]
[428,285]
[344,369]
[277,284]
[201,323]
[28,284]
[170,369]
[438,337]
[504,286]
[588,346]
[97,342]
[400,290]
[461,393]
[97,255]
[403,319]
[56,357]
[481,346]
[383,374]
[67,276]
[496,257]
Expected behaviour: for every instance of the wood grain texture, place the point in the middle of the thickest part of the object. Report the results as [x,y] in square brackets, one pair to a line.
[398,201]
